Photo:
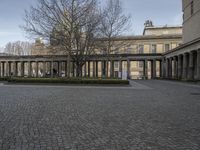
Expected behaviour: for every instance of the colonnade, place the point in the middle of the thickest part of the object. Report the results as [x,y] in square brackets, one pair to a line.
[185,66]
[92,68]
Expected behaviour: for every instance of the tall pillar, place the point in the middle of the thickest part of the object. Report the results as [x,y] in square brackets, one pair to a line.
[128,69]
[184,73]
[102,69]
[167,68]
[198,64]
[163,63]
[85,69]
[191,66]
[170,68]
[15,69]
[120,69]
[7,68]
[160,68]
[94,69]
[179,67]
[66,67]
[29,69]
[51,69]
[22,69]
[36,70]
[145,69]
[175,67]
[111,68]
[44,69]
[60,68]
[97,69]
[0,69]
[153,69]
[88,68]
[73,69]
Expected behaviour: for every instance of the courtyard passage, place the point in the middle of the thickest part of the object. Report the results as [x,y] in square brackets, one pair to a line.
[149,115]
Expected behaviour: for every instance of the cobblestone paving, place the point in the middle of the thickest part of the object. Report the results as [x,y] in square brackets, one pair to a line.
[165,116]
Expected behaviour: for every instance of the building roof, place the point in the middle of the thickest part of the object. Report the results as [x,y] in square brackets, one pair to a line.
[145,37]
[166,27]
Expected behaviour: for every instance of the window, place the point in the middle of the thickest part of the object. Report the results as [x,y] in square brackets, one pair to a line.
[166,47]
[153,48]
[192,7]
[129,50]
[141,49]
[116,65]
[141,64]
[116,51]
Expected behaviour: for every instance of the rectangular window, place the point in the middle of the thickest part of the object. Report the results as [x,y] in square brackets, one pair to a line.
[141,64]
[129,50]
[167,47]
[141,49]
[116,65]
[153,48]
[192,7]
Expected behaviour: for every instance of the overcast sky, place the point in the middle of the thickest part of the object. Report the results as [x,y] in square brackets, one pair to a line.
[161,12]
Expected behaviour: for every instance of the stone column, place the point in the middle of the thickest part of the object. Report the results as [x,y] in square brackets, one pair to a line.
[97,69]
[51,69]
[111,68]
[44,69]
[102,69]
[179,67]
[85,69]
[191,66]
[184,73]
[163,63]
[7,68]
[88,68]
[175,67]
[94,69]
[0,69]
[36,70]
[60,68]
[170,68]
[3,69]
[14,68]
[22,69]
[29,69]
[160,69]
[66,67]
[120,69]
[145,69]
[198,64]
[154,68]
[167,68]
[128,69]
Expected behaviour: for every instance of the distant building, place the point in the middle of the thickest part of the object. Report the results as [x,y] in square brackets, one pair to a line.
[183,62]
[191,20]
[155,39]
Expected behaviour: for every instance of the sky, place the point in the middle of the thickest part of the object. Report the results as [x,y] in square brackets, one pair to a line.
[161,12]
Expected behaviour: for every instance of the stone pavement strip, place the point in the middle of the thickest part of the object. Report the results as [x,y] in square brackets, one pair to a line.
[149,115]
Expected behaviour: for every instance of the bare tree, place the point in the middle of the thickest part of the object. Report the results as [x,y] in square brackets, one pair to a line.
[113,24]
[18,48]
[69,24]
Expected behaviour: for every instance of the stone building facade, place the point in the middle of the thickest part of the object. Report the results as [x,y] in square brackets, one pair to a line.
[183,62]
[155,40]
[191,20]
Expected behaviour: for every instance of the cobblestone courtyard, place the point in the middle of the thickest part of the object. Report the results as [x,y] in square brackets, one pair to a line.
[157,115]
